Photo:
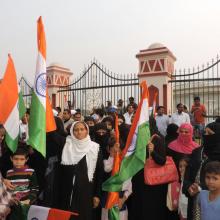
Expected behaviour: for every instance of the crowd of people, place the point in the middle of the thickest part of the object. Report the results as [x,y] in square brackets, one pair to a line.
[80,156]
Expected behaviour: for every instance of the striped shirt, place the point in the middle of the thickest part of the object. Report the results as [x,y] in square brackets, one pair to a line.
[26,183]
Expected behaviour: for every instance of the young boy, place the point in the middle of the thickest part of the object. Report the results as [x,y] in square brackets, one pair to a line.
[126,188]
[23,178]
[209,200]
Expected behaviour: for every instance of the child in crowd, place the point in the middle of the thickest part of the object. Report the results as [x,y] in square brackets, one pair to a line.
[209,200]
[24,181]
[113,148]
[183,200]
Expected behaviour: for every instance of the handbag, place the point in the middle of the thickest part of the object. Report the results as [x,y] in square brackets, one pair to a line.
[155,174]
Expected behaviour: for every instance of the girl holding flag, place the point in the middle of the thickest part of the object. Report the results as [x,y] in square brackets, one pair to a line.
[115,148]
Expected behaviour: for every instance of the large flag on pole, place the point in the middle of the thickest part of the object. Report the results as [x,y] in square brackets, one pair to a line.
[134,153]
[41,115]
[10,103]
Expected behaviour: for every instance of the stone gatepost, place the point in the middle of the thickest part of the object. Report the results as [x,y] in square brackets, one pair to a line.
[156,66]
[57,76]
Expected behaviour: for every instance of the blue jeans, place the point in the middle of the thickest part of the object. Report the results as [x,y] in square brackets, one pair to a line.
[199,130]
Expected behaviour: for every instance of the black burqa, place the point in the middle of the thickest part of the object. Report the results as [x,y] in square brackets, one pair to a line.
[55,141]
[123,130]
[103,139]
[76,192]
[149,202]
[172,133]
[211,143]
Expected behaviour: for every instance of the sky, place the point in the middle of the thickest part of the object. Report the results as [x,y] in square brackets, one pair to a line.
[112,31]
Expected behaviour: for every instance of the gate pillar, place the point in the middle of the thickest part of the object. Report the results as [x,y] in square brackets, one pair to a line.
[156,66]
[57,76]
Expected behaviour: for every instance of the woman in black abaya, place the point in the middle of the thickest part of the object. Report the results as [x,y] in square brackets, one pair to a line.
[80,173]
[101,137]
[149,202]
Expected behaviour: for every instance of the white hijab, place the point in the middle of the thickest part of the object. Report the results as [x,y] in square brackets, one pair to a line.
[74,150]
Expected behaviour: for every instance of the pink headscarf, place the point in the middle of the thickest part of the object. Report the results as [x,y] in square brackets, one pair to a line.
[184,143]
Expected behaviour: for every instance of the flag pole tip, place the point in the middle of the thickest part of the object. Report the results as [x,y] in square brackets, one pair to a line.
[39,19]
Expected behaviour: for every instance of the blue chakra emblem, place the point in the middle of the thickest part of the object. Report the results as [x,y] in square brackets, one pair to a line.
[41,85]
[34,218]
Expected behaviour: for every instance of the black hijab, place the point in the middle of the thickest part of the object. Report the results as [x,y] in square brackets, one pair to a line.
[211,143]
[172,133]
[91,128]
[102,140]
[123,130]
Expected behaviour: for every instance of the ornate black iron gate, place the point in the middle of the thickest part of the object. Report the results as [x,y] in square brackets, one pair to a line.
[203,82]
[97,85]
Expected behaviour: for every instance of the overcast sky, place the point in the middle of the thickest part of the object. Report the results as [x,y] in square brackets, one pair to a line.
[112,31]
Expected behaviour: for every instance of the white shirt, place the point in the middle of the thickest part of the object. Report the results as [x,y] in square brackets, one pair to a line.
[183,203]
[23,129]
[162,122]
[67,123]
[128,118]
[179,119]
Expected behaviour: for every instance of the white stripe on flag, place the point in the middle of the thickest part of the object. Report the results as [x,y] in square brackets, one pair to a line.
[12,123]
[40,80]
[38,212]
[144,117]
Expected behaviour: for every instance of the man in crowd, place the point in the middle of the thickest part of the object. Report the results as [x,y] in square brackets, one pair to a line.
[179,117]
[128,115]
[67,120]
[23,129]
[131,102]
[162,120]
[59,112]
[120,107]
[77,116]
[109,105]
[199,112]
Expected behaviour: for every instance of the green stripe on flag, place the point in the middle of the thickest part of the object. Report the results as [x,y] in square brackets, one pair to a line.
[113,213]
[37,125]
[132,164]
[11,143]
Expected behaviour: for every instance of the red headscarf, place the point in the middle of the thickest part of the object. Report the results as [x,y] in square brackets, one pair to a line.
[184,143]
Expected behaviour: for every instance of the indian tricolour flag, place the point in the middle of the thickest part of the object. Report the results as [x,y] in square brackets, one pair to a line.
[134,153]
[43,213]
[41,115]
[12,105]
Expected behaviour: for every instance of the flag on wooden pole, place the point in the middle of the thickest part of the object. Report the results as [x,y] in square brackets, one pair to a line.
[12,105]
[41,115]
